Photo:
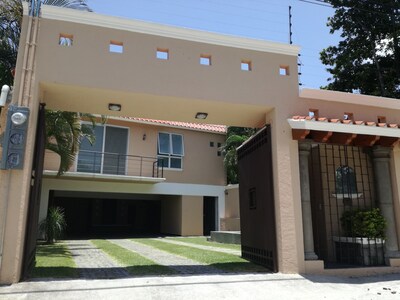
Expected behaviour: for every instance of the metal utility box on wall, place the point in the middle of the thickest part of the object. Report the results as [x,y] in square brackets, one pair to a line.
[14,138]
[256,194]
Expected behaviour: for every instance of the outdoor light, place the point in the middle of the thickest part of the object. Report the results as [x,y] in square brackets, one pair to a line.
[18,118]
[201,115]
[4,94]
[114,107]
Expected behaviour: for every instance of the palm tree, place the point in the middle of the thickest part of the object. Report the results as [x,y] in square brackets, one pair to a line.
[235,137]
[64,129]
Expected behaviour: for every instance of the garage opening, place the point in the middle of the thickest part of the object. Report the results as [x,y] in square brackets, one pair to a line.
[108,214]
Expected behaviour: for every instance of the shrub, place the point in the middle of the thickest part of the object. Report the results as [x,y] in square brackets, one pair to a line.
[364,223]
[54,225]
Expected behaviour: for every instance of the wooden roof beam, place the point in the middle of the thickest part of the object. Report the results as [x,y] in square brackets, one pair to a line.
[342,138]
[363,140]
[300,134]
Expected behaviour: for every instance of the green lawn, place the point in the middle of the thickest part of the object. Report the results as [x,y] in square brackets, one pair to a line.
[133,262]
[226,262]
[54,261]
[203,241]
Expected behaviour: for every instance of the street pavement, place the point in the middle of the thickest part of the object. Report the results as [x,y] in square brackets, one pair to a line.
[222,286]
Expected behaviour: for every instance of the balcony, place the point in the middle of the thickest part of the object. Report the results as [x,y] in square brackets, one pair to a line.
[108,166]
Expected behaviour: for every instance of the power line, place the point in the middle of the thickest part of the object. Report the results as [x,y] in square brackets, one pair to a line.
[320,4]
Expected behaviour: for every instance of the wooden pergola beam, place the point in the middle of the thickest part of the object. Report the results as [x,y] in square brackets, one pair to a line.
[300,134]
[363,140]
[388,141]
[342,138]
[321,136]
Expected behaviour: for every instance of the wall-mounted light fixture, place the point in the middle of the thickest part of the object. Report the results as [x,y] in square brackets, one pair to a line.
[201,115]
[4,94]
[144,137]
[114,107]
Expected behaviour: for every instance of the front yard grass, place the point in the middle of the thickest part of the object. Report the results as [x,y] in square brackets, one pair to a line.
[203,241]
[133,262]
[54,261]
[223,261]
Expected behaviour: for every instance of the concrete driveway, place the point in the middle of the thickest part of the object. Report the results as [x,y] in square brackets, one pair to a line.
[249,286]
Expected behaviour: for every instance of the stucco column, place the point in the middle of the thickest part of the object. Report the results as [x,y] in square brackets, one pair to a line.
[304,154]
[383,183]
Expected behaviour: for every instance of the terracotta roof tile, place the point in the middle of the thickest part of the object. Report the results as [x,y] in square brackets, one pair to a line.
[194,126]
[348,122]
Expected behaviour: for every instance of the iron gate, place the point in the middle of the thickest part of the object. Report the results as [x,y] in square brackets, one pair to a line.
[34,198]
[343,203]
[256,194]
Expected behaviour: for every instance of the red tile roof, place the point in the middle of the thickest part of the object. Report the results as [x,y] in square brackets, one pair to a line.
[193,126]
[350,122]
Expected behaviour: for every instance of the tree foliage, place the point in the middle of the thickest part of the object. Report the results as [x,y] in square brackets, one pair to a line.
[367,59]
[65,131]
[235,137]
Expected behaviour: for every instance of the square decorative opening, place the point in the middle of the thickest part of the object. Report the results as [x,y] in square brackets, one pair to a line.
[381,119]
[65,40]
[116,47]
[313,113]
[162,54]
[284,70]
[348,116]
[205,60]
[246,65]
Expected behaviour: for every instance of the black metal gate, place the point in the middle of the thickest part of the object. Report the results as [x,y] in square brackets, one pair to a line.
[346,222]
[257,209]
[34,198]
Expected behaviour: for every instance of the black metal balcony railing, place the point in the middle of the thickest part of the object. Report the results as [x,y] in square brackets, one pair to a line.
[119,164]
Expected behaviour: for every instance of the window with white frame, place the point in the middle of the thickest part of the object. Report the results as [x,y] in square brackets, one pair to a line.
[170,150]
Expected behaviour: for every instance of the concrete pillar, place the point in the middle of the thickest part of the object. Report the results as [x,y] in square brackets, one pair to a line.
[383,183]
[304,154]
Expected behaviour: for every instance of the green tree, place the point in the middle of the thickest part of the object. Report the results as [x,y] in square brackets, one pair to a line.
[65,131]
[235,137]
[367,59]
[54,225]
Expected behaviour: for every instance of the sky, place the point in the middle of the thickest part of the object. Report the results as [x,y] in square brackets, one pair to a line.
[258,19]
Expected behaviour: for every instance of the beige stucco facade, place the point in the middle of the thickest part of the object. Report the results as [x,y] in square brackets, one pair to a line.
[174,89]
[181,190]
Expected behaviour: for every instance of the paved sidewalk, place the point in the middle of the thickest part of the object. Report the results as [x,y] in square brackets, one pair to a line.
[178,263]
[213,287]
[93,263]
[203,247]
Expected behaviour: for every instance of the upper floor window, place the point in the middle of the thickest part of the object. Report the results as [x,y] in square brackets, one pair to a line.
[170,150]
[345,181]
[108,154]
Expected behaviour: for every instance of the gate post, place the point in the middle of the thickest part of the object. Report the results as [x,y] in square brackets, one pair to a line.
[304,154]
[381,159]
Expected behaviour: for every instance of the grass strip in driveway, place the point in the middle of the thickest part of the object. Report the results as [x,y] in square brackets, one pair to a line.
[134,263]
[203,241]
[223,261]
[54,261]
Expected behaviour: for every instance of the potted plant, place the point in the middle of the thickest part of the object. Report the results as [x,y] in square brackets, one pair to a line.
[364,223]
[364,237]
[54,225]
